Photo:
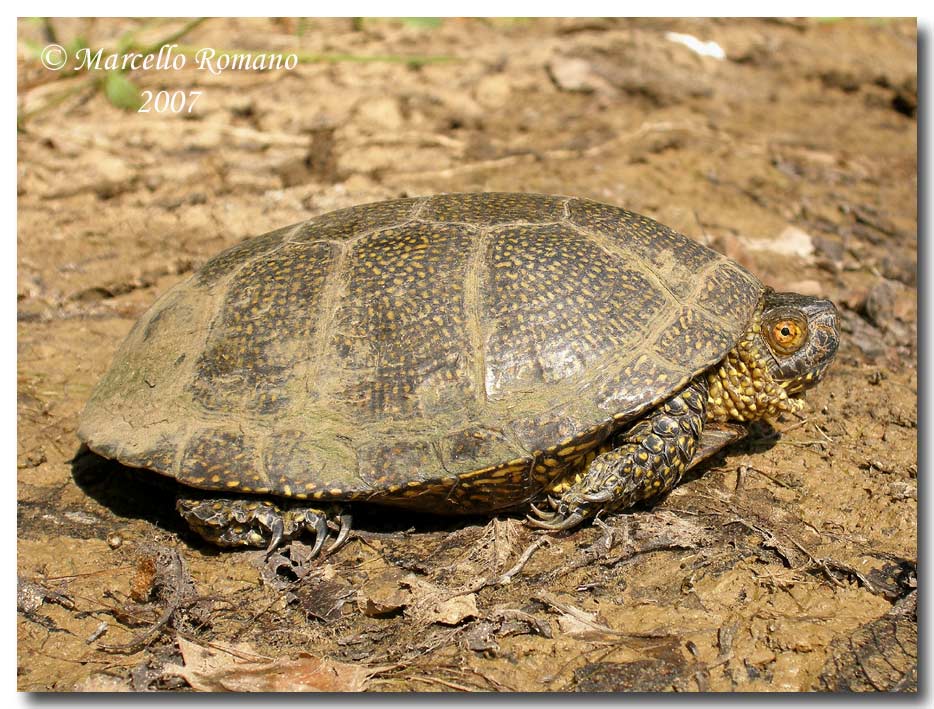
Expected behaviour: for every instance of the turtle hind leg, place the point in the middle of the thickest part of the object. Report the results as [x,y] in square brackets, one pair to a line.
[241,522]
[649,459]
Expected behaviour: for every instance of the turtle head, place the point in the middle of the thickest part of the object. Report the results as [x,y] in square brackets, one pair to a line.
[800,337]
[788,347]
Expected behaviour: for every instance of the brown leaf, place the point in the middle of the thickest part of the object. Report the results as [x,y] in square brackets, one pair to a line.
[144,579]
[384,594]
[453,610]
[99,682]
[323,595]
[434,604]
[238,668]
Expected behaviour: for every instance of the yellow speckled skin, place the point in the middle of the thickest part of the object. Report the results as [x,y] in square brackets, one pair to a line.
[456,353]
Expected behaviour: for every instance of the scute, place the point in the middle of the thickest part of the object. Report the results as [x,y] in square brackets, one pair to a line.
[488,208]
[353,222]
[400,335]
[673,257]
[552,318]
[448,353]
[234,257]
[256,347]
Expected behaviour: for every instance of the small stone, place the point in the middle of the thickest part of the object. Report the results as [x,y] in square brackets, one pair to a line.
[893,309]
[493,91]
[791,242]
[575,74]
[114,541]
[900,490]
[808,287]
[380,114]
[830,249]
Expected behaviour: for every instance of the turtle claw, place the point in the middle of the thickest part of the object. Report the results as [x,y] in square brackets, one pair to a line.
[599,497]
[277,531]
[558,525]
[541,514]
[321,534]
[343,532]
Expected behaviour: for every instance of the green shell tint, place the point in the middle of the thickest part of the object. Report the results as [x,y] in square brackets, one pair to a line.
[449,353]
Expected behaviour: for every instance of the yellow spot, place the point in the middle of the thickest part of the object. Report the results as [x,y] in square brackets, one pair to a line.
[333,491]
[233,483]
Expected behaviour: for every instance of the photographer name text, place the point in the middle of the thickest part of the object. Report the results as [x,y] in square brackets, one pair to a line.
[169,59]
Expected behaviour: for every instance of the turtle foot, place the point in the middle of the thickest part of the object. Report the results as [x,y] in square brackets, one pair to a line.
[649,460]
[238,522]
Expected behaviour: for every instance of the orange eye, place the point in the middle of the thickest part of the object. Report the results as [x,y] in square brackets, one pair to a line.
[787,335]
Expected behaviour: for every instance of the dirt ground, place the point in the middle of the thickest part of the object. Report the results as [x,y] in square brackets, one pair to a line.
[788,564]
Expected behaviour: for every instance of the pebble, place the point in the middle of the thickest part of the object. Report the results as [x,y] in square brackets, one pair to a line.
[380,114]
[889,302]
[575,74]
[791,242]
[808,287]
[493,91]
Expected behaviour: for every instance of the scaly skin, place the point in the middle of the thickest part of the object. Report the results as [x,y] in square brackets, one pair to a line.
[239,522]
[753,382]
[649,460]
[742,389]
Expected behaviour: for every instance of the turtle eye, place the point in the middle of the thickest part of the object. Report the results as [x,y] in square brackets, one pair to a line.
[787,335]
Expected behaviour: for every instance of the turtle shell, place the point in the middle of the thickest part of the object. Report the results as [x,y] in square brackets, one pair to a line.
[450,353]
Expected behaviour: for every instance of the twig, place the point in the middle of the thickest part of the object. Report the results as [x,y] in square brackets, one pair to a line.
[55,100]
[332,58]
[148,635]
[442,682]
[538,156]
[175,36]
[775,480]
[769,537]
[506,577]
[584,617]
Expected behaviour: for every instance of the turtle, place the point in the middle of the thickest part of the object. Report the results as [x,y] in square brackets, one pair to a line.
[458,354]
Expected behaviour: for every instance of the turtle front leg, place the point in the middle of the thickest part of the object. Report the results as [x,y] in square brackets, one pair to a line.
[650,459]
[239,522]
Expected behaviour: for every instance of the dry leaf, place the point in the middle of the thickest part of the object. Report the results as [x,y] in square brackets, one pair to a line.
[434,604]
[237,668]
[453,610]
[384,594]
[581,624]
[99,682]
[323,595]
